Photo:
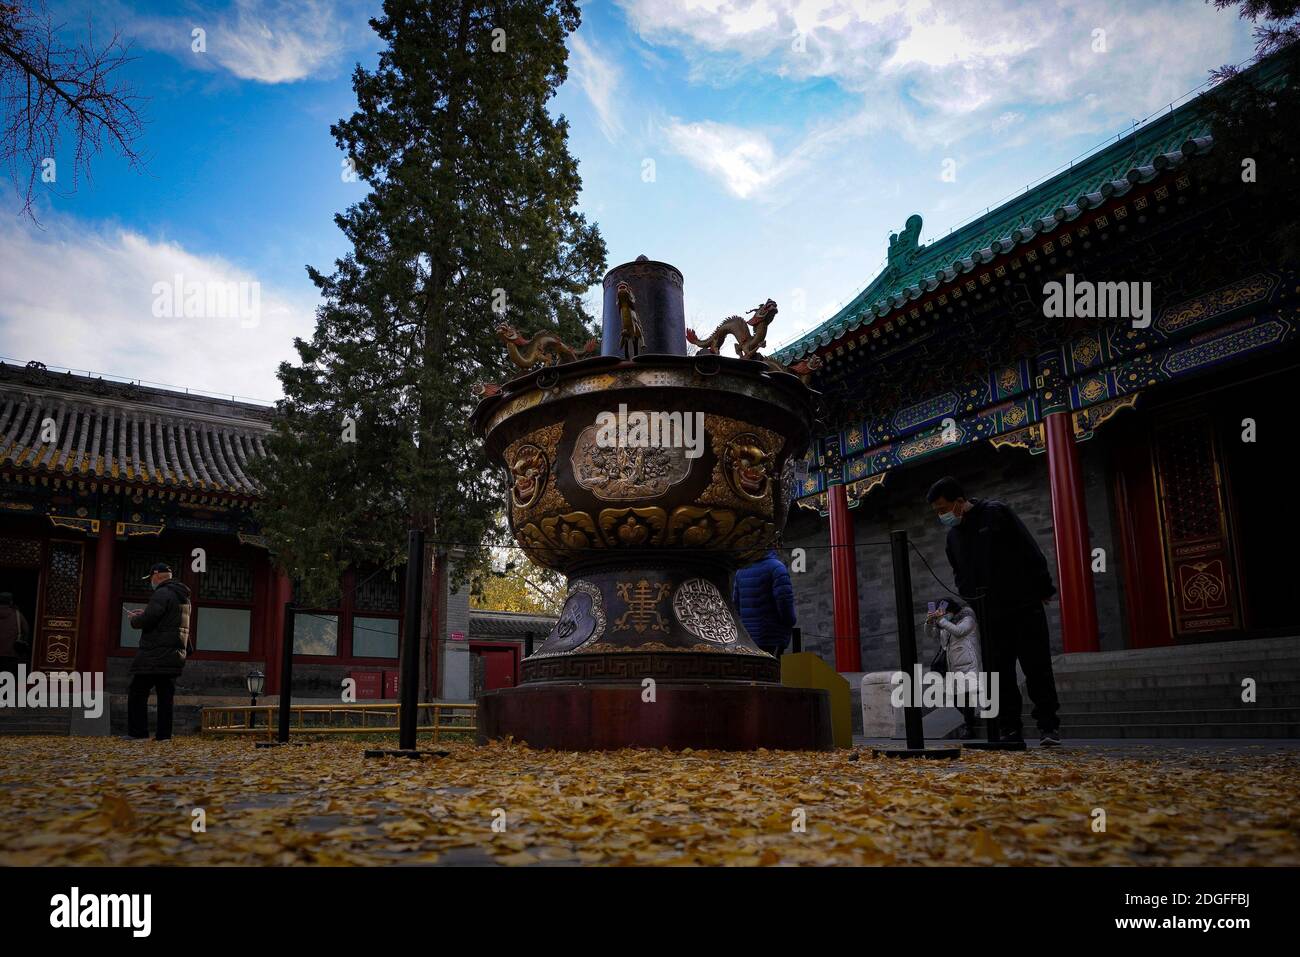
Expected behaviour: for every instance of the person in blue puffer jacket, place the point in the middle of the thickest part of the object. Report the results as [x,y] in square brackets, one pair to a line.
[765,599]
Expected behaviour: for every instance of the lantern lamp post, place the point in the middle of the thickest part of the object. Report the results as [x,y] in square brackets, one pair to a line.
[256,682]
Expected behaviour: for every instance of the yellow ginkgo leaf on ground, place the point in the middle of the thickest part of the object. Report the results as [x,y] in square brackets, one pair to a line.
[983,844]
[88,801]
[116,811]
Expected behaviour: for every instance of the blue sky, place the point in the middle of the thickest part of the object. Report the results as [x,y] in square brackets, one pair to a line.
[788,139]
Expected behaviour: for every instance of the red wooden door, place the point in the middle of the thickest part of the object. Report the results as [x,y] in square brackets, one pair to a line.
[1142,553]
[499,665]
[499,668]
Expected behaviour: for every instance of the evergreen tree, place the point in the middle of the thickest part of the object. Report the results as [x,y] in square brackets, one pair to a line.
[471,205]
[1252,123]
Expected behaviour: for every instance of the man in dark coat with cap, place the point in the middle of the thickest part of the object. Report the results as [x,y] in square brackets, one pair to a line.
[999,568]
[164,642]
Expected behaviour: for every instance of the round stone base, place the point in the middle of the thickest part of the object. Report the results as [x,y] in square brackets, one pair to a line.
[606,717]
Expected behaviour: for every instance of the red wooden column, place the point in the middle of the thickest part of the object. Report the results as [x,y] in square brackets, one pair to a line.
[103,623]
[844,582]
[281,591]
[1070,526]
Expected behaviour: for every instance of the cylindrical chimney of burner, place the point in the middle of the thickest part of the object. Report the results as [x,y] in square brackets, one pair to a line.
[660,308]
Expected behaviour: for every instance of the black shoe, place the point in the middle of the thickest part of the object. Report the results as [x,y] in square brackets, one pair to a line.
[1012,737]
[1049,739]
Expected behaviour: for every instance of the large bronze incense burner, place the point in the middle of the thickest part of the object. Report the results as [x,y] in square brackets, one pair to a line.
[647,477]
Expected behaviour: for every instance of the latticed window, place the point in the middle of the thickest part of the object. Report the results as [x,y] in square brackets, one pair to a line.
[379,591]
[227,579]
[20,552]
[63,586]
[315,633]
[316,629]
[1189,473]
[221,597]
[225,604]
[363,621]
[136,589]
[377,603]
[136,573]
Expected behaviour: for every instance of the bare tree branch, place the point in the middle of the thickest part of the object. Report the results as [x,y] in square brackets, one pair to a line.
[53,94]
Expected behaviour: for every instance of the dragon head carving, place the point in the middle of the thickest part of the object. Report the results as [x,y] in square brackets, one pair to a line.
[529,471]
[508,333]
[749,467]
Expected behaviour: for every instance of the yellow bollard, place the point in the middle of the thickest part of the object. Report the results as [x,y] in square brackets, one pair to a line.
[803,669]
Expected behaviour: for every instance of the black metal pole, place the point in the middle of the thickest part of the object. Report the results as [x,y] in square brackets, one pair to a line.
[528,644]
[991,731]
[906,633]
[409,690]
[796,639]
[286,672]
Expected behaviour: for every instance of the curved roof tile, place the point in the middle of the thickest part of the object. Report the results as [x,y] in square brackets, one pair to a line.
[113,442]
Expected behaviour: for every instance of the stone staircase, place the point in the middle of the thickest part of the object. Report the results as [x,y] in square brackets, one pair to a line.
[71,721]
[1187,691]
[51,721]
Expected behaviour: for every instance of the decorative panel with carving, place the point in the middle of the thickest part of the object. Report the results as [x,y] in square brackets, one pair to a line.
[1198,547]
[56,642]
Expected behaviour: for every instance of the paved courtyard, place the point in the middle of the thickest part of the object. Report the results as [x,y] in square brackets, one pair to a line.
[96,801]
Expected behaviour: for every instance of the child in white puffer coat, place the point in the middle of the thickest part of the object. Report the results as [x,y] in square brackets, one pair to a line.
[959,637]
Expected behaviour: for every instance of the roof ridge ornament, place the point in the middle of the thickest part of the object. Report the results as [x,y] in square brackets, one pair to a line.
[903,246]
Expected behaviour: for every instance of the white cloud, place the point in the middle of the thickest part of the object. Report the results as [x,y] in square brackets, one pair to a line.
[1007,120]
[277,43]
[267,41]
[745,161]
[599,79]
[943,69]
[83,296]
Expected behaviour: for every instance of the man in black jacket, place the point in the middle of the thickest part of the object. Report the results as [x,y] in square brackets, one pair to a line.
[1000,569]
[164,642]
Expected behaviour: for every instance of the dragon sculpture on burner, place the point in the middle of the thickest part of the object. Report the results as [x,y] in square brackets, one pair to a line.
[545,348]
[749,343]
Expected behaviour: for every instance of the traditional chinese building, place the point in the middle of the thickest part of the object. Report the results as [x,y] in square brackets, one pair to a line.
[100,479]
[1144,455]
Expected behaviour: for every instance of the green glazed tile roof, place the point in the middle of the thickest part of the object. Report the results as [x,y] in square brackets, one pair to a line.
[913,270]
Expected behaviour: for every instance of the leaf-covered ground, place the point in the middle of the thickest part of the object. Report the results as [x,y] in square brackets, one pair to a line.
[96,801]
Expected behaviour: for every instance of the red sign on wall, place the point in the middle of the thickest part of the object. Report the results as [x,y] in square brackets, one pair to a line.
[391,683]
[368,684]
